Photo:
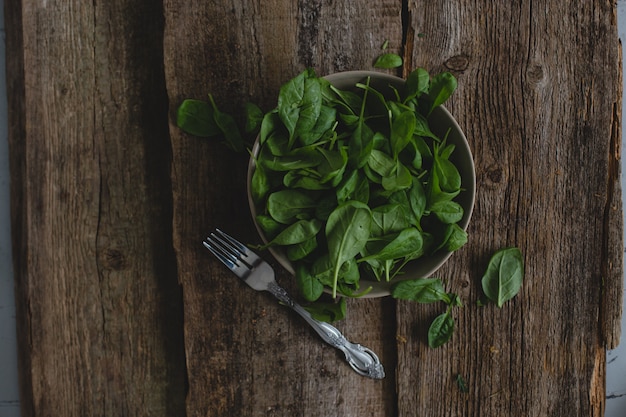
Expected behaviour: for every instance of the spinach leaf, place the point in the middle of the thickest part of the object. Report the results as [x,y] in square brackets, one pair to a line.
[328,312]
[327,118]
[286,206]
[301,250]
[259,184]
[448,212]
[310,287]
[423,129]
[504,275]
[297,232]
[269,124]
[300,104]
[388,219]
[269,226]
[441,329]
[417,200]
[416,84]
[305,179]
[398,179]
[389,60]
[227,124]
[402,129]
[348,100]
[440,89]
[347,231]
[447,174]
[196,118]
[297,159]
[405,244]
[381,163]
[455,237]
[254,117]
[332,165]
[461,383]
[424,290]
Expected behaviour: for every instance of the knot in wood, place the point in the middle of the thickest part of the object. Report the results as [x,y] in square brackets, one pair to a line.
[113,259]
[535,75]
[457,63]
[493,175]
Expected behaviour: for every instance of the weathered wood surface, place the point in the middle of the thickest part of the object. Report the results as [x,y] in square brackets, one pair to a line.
[99,306]
[269,362]
[122,312]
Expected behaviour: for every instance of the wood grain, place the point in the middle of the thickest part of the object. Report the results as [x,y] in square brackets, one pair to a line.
[245,354]
[99,303]
[121,311]
[542,123]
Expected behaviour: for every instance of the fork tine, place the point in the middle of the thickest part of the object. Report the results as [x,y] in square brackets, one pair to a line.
[244,253]
[226,258]
[229,255]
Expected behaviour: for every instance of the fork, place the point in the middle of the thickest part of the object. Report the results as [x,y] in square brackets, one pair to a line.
[259,275]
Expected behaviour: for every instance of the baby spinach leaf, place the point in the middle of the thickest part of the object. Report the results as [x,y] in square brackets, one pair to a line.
[447,212]
[423,129]
[269,226]
[381,163]
[504,275]
[347,231]
[226,123]
[196,118]
[461,383]
[424,290]
[328,312]
[447,174]
[325,121]
[398,179]
[310,287]
[332,165]
[455,237]
[297,159]
[305,179]
[416,84]
[300,103]
[297,232]
[386,61]
[388,219]
[360,145]
[270,123]
[417,200]
[254,117]
[441,330]
[259,184]
[402,129]
[287,205]
[301,250]
[345,190]
[441,88]
[403,245]
[348,100]
[323,269]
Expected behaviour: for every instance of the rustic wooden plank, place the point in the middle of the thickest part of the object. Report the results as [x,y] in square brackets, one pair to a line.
[99,306]
[541,109]
[246,355]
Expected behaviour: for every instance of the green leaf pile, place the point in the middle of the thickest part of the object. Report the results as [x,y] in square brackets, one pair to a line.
[353,183]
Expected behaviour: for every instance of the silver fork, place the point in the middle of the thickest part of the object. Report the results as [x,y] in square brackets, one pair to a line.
[259,275]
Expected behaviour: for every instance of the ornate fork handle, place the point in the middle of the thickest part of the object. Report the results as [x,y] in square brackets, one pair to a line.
[361,359]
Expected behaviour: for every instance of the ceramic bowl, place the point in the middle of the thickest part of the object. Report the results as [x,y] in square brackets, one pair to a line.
[440,122]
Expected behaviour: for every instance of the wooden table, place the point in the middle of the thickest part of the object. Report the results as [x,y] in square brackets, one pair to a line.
[122,312]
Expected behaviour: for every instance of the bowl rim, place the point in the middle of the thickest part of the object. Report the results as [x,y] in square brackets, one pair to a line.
[380,289]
